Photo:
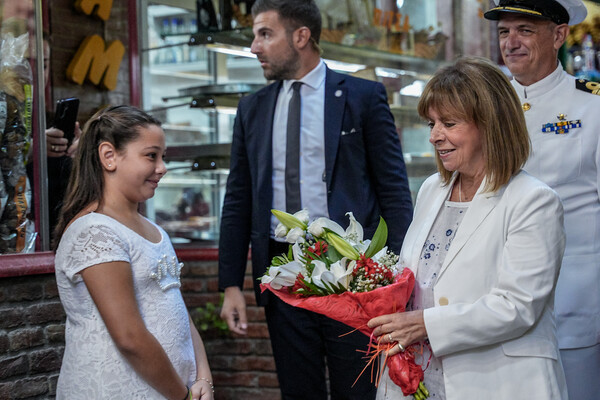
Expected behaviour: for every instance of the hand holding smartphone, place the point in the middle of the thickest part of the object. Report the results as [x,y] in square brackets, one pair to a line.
[66,116]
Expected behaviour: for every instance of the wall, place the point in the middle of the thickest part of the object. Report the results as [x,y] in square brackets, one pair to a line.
[243,367]
[32,338]
[68,28]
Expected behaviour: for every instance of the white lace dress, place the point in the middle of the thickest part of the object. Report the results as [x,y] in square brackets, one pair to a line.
[92,367]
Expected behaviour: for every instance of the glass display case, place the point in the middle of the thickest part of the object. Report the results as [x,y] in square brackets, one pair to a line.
[194,90]
[194,72]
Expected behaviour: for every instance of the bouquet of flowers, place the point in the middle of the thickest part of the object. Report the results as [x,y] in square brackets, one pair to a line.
[336,273]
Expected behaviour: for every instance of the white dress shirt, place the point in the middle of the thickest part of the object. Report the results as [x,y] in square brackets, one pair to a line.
[313,189]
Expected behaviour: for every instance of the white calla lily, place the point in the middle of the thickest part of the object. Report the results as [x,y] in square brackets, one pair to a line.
[362,247]
[302,215]
[343,272]
[379,254]
[284,275]
[354,233]
[281,230]
[316,227]
[297,252]
[320,268]
[339,274]
[295,235]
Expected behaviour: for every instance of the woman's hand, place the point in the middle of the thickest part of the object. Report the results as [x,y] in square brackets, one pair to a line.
[402,328]
[202,390]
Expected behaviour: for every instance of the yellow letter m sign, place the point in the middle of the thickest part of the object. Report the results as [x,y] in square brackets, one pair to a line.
[102,62]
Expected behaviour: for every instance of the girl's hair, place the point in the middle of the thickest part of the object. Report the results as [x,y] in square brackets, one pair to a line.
[118,125]
[475,90]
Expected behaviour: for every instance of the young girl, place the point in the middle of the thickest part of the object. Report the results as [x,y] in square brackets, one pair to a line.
[128,332]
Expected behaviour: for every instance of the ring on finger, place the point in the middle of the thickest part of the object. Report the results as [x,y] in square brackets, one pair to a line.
[402,349]
[53,148]
[390,337]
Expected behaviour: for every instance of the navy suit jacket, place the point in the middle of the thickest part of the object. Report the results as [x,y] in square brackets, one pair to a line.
[364,170]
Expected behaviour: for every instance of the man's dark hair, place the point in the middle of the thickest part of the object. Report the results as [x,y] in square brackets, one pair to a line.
[295,13]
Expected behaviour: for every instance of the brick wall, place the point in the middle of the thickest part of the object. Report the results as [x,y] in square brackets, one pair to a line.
[243,367]
[32,339]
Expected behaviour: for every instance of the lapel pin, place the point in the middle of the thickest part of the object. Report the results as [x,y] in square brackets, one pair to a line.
[338,93]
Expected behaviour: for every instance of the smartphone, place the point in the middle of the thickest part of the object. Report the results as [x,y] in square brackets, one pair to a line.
[66,116]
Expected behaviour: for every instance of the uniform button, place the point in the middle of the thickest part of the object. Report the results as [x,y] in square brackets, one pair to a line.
[443,301]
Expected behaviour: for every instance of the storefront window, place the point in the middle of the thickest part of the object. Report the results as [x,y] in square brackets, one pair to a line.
[20,99]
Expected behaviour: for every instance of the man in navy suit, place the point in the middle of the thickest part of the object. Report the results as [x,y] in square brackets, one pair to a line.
[350,160]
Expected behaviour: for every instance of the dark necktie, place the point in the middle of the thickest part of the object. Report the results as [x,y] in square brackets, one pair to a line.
[292,153]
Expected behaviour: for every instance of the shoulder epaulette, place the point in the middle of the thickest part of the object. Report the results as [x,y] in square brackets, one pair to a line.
[588,86]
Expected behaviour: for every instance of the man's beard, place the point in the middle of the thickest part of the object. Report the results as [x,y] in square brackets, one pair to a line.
[285,68]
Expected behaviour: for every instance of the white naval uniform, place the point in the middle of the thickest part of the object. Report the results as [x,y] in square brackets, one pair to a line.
[570,164]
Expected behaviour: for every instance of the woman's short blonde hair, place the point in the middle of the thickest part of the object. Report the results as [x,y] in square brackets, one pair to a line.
[475,90]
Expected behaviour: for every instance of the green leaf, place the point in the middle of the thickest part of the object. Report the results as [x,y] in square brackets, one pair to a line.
[288,220]
[379,239]
[279,260]
[312,289]
[333,255]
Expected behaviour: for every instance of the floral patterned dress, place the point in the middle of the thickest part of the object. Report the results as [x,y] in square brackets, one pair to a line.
[432,257]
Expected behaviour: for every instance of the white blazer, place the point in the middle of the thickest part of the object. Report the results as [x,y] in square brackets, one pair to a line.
[493,321]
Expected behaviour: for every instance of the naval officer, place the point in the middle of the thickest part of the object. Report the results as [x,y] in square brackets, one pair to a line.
[563,120]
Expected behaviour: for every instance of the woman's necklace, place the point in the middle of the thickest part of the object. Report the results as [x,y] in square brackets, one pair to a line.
[460,188]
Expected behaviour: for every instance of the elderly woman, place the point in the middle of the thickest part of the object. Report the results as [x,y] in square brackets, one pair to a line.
[485,245]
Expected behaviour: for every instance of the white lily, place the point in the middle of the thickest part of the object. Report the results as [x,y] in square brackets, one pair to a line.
[284,275]
[297,252]
[361,247]
[302,215]
[354,233]
[380,254]
[338,274]
[295,235]
[316,227]
[281,230]
[342,270]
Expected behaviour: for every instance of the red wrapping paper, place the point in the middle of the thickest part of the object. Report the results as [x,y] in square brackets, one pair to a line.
[356,309]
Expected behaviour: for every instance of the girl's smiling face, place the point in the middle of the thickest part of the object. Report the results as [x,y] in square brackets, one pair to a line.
[140,166]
